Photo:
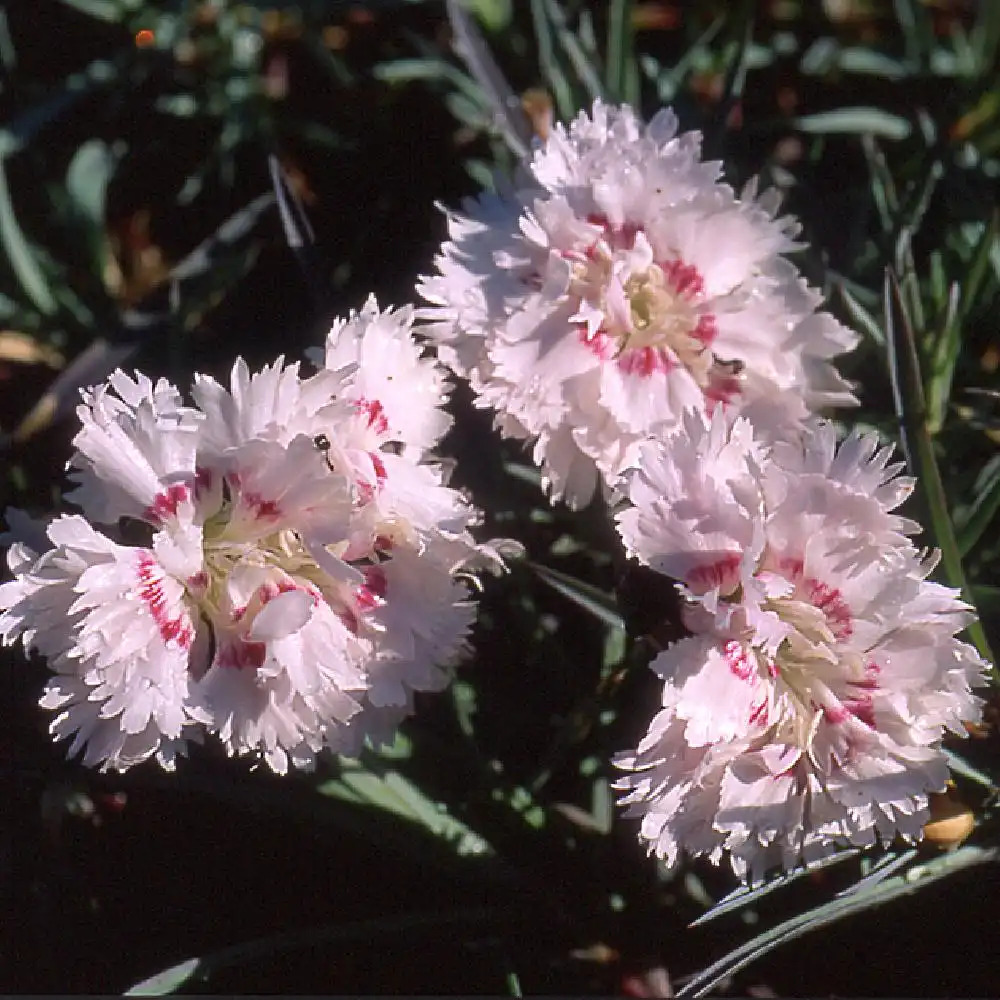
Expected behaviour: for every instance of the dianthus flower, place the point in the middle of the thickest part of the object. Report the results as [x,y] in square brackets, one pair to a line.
[806,709]
[285,576]
[619,285]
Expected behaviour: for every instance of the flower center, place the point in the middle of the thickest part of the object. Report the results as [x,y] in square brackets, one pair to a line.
[660,316]
[811,674]
[825,680]
[248,560]
[646,314]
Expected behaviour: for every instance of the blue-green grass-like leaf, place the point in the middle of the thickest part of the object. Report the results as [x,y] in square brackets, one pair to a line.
[23,129]
[390,791]
[621,61]
[962,767]
[549,62]
[21,254]
[168,981]
[592,599]
[87,179]
[668,79]
[744,895]
[571,45]
[855,121]
[982,512]
[885,866]
[911,409]
[111,11]
[202,968]
[508,115]
[905,884]
[862,318]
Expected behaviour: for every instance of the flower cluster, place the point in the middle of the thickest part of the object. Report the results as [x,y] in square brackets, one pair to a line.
[288,569]
[807,706]
[289,565]
[619,285]
[638,320]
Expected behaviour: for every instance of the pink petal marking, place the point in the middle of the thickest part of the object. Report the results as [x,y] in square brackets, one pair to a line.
[371,594]
[242,654]
[738,661]
[832,604]
[619,237]
[684,278]
[758,713]
[707,329]
[601,344]
[835,714]
[645,361]
[862,708]
[349,620]
[828,599]
[375,412]
[177,629]
[368,490]
[166,502]
[862,704]
[263,510]
[721,573]
[259,508]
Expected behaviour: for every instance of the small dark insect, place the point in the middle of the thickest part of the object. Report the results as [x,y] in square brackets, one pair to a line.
[322,443]
[734,367]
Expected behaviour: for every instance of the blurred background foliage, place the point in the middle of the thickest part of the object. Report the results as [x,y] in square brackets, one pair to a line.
[138,226]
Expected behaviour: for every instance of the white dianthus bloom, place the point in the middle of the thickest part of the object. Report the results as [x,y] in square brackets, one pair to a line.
[397,391]
[806,709]
[295,584]
[621,284]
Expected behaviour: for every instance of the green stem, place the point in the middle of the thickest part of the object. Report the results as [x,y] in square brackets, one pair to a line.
[911,408]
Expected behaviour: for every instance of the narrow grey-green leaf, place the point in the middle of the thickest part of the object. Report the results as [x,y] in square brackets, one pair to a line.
[104,10]
[669,78]
[25,127]
[599,603]
[549,62]
[979,264]
[869,61]
[406,70]
[885,866]
[917,30]
[403,927]
[904,884]
[855,121]
[167,981]
[981,513]
[863,318]
[19,252]
[508,115]
[619,46]
[962,767]
[744,895]
[581,62]
[495,14]
[87,179]
[911,408]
